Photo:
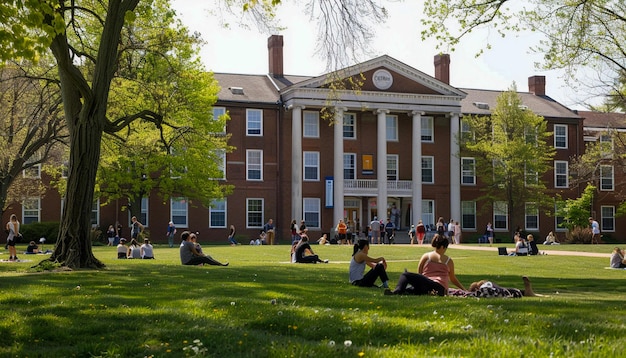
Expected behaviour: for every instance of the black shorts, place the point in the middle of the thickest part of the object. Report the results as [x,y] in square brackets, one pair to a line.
[11,242]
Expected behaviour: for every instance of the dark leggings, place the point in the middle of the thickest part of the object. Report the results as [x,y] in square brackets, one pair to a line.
[309,259]
[197,260]
[422,285]
[370,277]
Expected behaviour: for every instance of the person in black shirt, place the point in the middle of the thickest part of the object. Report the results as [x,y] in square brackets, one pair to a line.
[304,253]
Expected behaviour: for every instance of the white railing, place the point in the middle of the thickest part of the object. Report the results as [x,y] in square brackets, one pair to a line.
[369,187]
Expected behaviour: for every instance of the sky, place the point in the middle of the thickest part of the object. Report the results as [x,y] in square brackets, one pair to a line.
[509,61]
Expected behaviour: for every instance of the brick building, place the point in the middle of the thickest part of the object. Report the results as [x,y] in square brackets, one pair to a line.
[392,146]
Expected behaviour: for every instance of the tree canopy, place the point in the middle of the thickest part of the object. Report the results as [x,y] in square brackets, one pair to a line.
[577,34]
[96,45]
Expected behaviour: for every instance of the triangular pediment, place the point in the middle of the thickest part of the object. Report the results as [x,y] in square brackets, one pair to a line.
[383,74]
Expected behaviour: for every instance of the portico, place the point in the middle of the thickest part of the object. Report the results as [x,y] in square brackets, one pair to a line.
[393,99]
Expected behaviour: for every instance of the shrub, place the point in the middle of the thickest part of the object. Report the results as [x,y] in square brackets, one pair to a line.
[579,235]
[35,231]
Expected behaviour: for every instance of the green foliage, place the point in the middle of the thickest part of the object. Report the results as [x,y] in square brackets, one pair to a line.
[511,153]
[576,212]
[27,28]
[35,231]
[261,306]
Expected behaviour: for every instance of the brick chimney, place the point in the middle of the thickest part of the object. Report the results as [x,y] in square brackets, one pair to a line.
[442,67]
[275,52]
[537,85]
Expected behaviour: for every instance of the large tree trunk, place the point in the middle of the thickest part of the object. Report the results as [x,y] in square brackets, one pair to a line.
[73,248]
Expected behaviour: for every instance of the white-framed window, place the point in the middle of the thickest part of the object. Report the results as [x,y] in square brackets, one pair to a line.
[392,128]
[468,215]
[530,135]
[468,171]
[254,212]
[34,172]
[349,166]
[392,167]
[311,166]
[31,210]
[500,215]
[217,214]
[532,216]
[428,129]
[65,170]
[531,177]
[145,208]
[559,220]
[561,174]
[428,170]
[349,126]
[221,164]
[606,145]
[179,212]
[428,212]
[560,136]
[254,122]
[218,112]
[608,218]
[606,178]
[254,164]
[311,124]
[95,213]
[311,212]
[466,131]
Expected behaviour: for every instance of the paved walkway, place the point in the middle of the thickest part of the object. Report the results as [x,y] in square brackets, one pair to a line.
[548,252]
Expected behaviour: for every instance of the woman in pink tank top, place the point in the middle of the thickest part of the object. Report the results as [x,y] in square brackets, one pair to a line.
[435,271]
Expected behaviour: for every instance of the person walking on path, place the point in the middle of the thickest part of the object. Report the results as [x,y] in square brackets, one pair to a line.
[595,230]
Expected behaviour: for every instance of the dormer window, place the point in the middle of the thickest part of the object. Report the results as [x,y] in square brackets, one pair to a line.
[236,90]
[481,105]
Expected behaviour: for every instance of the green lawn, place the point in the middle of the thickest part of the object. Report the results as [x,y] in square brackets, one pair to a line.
[262,306]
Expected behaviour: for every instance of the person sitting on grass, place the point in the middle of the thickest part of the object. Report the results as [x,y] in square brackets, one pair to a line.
[32,248]
[146,250]
[434,273]
[304,253]
[617,258]
[122,250]
[134,250]
[532,245]
[361,258]
[190,256]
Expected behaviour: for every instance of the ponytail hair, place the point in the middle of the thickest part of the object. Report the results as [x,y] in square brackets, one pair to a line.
[360,245]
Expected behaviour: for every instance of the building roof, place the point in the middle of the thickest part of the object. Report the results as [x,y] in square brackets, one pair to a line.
[541,105]
[246,88]
[601,120]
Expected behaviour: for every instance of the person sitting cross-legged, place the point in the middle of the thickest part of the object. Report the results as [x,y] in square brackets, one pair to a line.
[190,256]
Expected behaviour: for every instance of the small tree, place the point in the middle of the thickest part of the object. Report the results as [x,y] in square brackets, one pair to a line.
[512,154]
[575,213]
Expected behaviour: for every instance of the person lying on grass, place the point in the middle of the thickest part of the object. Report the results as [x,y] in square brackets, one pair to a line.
[435,272]
[361,258]
[486,289]
[190,256]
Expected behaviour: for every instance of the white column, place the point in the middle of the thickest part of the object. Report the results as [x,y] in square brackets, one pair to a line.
[381,163]
[296,163]
[455,169]
[338,166]
[416,167]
